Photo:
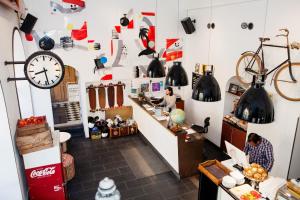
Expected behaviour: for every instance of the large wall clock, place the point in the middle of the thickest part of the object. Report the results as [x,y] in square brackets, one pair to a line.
[44,69]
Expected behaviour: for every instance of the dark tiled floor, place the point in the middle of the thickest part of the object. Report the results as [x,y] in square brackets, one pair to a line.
[95,160]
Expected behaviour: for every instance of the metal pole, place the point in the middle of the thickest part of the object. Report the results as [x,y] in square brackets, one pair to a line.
[14,62]
[16,79]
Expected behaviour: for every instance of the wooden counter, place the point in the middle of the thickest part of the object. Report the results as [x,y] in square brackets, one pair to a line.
[181,156]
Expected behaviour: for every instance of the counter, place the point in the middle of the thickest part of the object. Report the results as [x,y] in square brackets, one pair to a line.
[181,156]
[209,189]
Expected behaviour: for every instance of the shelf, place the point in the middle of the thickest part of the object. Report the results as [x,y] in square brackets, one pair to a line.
[234,94]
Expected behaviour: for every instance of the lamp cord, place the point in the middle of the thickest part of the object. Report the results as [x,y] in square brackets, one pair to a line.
[210,33]
[177,18]
[266,16]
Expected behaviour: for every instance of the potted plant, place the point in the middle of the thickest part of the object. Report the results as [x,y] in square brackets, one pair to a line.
[141,96]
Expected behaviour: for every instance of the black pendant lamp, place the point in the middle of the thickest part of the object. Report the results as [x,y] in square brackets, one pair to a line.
[176,76]
[156,69]
[207,88]
[255,105]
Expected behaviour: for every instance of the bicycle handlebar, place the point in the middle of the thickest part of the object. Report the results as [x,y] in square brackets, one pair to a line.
[284,34]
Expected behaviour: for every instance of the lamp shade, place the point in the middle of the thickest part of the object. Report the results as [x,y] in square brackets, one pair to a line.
[207,88]
[176,76]
[155,69]
[255,106]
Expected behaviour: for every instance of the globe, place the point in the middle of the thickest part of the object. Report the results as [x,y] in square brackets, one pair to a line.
[177,116]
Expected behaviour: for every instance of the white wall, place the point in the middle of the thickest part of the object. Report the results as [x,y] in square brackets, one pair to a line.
[12,181]
[23,87]
[101,16]
[228,41]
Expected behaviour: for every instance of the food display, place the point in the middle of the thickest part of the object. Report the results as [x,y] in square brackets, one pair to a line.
[33,134]
[245,192]
[31,121]
[255,172]
[252,195]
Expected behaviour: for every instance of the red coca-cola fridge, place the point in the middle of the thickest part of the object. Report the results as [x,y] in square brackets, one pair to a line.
[44,174]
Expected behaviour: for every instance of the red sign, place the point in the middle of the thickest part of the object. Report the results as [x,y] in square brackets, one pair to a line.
[46,182]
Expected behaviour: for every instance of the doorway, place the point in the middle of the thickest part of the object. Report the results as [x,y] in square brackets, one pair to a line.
[66,106]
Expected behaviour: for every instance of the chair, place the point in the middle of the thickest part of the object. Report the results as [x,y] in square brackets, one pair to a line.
[200,129]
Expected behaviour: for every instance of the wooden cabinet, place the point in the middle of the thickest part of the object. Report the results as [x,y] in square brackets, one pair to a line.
[60,92]
[234,135]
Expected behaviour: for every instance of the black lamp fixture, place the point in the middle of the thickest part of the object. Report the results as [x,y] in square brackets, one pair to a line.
[207,87]
[176,76]
[255,105]
[155,68]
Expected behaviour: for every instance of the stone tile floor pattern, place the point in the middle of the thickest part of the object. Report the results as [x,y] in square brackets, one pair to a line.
[95,160]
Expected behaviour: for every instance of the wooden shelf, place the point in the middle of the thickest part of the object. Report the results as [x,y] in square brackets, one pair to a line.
[234,94]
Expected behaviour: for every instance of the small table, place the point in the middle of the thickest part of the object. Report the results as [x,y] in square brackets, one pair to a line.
[63,138]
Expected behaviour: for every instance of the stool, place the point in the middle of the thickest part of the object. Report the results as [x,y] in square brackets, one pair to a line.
[63,138]
[68,167]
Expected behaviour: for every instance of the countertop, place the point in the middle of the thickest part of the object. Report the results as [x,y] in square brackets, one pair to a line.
[164,123]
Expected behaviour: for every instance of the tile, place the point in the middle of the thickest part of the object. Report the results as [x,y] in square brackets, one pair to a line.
[138,182]
[133,193]
[95,160]
[106,173]
[153,196]
[190,196]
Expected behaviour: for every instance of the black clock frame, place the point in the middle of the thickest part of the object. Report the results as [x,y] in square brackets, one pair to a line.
[48,53]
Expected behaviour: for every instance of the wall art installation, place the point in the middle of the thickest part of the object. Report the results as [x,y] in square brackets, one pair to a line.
[67,6]
[174,49]
[127,20]
[80,34]
[146,40]
[118,54]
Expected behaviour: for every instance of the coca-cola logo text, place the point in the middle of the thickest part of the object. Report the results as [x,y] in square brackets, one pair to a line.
[43,172]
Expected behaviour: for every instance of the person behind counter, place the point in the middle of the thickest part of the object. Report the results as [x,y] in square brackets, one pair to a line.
[169,100]
[260,151]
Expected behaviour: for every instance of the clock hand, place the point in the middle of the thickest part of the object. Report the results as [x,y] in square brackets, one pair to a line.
[46,75]
[40,71]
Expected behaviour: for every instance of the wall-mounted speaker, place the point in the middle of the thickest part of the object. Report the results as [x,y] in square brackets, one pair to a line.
[188,25]
[28,23]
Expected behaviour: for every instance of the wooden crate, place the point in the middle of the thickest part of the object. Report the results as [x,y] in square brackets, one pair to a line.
[34,142]
[122,131]
[214,170]
[32,129]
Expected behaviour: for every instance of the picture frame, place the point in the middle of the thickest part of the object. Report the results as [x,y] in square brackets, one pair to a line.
[233,88]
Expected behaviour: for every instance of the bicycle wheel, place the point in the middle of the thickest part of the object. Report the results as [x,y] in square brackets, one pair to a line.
[284,85]
[245,77]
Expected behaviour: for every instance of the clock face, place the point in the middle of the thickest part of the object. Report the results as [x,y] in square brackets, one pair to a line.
[44,69]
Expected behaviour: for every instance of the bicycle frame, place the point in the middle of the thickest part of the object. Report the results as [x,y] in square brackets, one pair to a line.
[260,49]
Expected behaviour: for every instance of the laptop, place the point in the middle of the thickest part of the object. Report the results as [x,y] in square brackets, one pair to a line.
[238,157]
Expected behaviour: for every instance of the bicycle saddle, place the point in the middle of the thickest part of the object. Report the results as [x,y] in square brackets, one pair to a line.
[262,39]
